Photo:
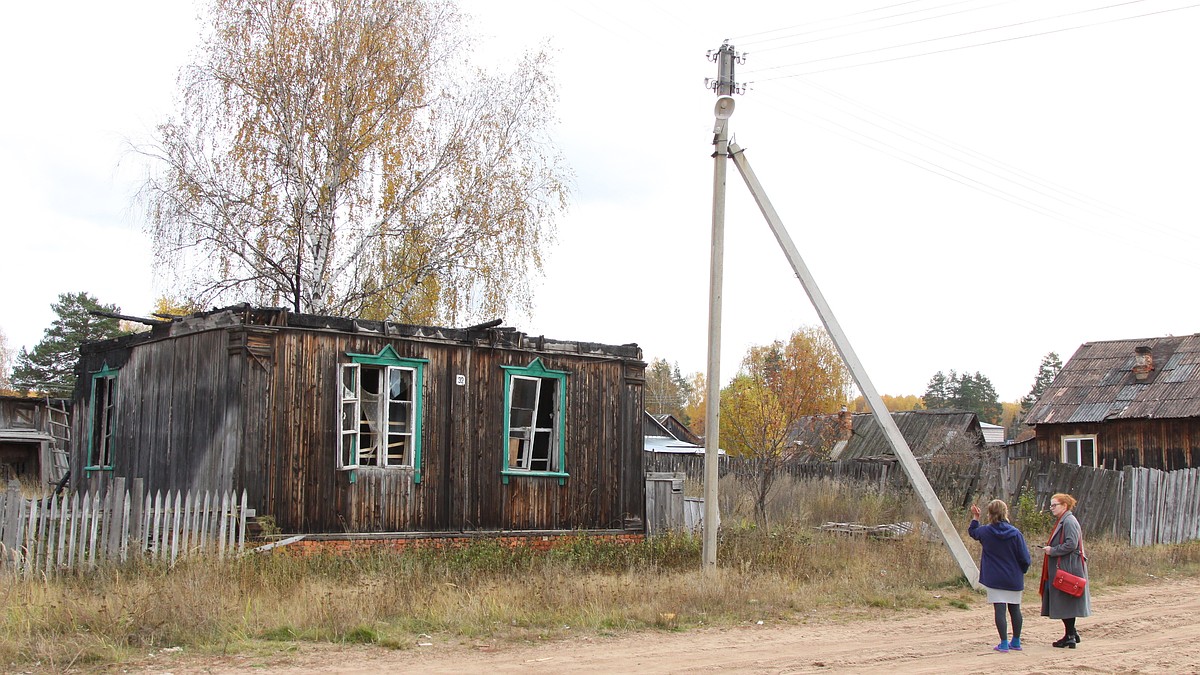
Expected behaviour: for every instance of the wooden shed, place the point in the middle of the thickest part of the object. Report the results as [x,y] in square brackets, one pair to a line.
[344,425]
[33,440]
[1121,403]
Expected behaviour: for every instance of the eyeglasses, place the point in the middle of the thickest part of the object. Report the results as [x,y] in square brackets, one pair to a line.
[1054,504]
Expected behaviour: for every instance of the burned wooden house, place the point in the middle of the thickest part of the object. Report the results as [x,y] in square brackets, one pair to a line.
[1123,403]
[340,425]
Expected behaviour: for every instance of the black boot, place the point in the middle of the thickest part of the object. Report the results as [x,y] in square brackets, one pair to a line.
[1067,641]
[1076,636]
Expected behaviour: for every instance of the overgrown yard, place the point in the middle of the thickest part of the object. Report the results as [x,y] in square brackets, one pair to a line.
[269,602]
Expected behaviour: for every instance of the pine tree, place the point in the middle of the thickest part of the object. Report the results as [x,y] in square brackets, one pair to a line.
[50,367]
[1051,364]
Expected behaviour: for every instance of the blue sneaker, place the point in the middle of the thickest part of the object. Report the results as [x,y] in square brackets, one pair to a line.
[1002,647]
[1015,644]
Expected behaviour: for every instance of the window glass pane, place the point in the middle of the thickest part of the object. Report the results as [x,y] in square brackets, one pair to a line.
[540,457]
[349,385]
[1087,451]
[524,393]
[546,405]
[520,419]
[400,384]
[397,452]
[398,417]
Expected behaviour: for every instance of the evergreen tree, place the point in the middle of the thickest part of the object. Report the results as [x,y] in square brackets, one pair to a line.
[1051,364]
[973,392]
[940,390]
[50,367]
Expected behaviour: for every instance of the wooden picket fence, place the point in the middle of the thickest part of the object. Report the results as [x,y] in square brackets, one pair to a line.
[79,532]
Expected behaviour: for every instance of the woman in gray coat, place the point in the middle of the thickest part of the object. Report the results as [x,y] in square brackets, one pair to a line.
[1064,551]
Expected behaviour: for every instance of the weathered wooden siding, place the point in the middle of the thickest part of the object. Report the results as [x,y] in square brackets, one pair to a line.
[257,407]
[1165,444]
[170,435]
[461,485]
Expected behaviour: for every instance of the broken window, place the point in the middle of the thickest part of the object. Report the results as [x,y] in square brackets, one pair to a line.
[102,422]
[1079,450]
[380,411]
[534,441]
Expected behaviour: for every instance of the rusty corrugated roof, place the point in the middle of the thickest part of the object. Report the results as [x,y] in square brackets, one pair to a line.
[1098,383]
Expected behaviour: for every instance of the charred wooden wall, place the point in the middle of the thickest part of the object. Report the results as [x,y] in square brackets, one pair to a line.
[176,414]
[257,408]
[463,454]
[1165,444]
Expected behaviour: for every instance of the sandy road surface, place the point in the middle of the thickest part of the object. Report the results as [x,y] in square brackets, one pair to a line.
[1152,628]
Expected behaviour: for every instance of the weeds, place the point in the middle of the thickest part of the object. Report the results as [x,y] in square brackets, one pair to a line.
[495,591]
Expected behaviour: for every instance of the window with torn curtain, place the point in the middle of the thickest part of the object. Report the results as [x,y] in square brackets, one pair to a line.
[381,411]
[535,404]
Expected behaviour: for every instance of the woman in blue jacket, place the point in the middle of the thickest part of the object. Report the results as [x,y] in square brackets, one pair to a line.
[1002,568]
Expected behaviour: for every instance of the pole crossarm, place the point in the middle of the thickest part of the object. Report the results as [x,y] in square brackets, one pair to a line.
[933,506]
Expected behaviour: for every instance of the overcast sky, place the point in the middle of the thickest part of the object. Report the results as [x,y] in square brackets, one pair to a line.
[972,183]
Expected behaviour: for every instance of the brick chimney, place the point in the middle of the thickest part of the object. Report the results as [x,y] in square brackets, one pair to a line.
[1143,363]
[845,424]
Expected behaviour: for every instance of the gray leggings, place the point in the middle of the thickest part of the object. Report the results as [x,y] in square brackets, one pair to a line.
[1002,619]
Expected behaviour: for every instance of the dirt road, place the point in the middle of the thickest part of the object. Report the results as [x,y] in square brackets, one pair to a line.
[1152,628]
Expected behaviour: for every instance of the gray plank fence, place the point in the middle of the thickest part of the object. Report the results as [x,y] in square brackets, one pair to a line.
[1142,506]
[79,531]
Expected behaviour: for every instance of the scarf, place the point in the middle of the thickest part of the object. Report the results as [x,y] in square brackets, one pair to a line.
[1046,557]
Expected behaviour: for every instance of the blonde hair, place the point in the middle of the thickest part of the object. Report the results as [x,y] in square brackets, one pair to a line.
[997,511]
[1065,499]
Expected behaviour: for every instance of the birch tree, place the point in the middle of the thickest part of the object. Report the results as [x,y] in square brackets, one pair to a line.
[343,157]
[778,385]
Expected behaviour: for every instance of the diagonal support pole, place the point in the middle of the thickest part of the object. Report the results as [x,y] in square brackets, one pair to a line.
[933,506]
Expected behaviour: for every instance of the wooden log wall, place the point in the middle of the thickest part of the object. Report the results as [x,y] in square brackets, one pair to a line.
[1165,444]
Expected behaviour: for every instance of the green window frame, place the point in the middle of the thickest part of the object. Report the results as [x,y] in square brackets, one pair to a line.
[380,410]
[535,404]
[102,419]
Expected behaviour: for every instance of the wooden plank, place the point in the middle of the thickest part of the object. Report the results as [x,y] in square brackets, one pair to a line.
[137,504]
[223,527]
[93,529]
[241,542]
[115,520]
[176,506]
[63,523]
[77,509]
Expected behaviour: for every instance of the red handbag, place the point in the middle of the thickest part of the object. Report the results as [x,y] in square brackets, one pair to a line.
[1069,583]
[1065,581]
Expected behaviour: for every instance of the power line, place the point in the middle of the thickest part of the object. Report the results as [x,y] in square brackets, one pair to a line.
[875,28]
[936,168]
[813,23]
[974,32]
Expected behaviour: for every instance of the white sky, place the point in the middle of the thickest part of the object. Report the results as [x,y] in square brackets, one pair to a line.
[962,205]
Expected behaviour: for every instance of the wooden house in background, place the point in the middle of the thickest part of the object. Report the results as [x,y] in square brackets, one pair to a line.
[1123,403]
[341,425]
[846,435]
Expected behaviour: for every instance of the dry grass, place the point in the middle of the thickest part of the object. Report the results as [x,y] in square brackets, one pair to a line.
[267,602]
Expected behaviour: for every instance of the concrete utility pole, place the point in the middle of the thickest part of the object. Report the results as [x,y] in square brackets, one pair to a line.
[933,506]
[725,58]
[724,86]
